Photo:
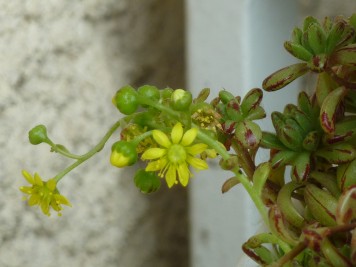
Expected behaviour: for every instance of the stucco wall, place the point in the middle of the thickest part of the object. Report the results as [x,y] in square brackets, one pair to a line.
[60,63]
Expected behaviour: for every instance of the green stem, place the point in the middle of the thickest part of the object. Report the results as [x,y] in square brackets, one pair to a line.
[212,143]
[90,153]
[253,194]
[157,105]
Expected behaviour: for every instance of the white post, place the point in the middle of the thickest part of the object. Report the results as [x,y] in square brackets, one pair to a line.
[233,45]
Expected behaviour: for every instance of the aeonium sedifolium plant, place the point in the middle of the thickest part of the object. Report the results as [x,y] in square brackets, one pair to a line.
[310,211]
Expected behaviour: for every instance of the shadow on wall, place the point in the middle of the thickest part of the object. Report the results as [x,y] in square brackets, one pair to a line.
[152,39]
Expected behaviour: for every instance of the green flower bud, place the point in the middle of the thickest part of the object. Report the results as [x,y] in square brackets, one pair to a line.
[181,99]
[123,154]
[147,182]
[150,92]
[38,135]
[125,100]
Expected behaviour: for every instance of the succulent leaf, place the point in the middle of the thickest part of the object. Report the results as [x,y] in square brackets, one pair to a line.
[338,153]
[329,108]
[346,175]
[284,76]
[285,204]
[322,204]
[301,167]
[346,206]
[298,51]
[335,257]
[260,176]
[345,56]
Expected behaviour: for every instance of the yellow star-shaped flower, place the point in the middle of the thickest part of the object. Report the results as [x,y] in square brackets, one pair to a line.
[43,193]
[174,156]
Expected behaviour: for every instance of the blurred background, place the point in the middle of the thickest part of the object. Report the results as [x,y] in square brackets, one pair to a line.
[62,61]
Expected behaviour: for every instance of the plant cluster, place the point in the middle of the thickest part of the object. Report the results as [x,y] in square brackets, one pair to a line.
[305,191]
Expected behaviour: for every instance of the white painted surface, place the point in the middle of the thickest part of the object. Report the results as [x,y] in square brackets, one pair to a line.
[232,45]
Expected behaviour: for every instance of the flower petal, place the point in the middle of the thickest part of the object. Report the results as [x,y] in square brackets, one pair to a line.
[60,199]
[196,149]
[28,177]
[171,176]
[161,138]
[154,153]
[189,137]
[177,133]
[156,165]
[34,200]
[51,184]
[26,189]
[197,163]
[183,174]
[38,180]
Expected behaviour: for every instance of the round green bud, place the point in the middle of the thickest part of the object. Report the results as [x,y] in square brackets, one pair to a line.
[147,182]
[125,100]
[150,92]
[166,93]
[225,96]
[181,99]
[123,154]
[38,134]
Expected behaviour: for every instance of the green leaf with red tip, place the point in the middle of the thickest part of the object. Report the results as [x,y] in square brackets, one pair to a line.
[301,167]
[260,176]
[255,250]
[286,206]
[338,153]
[296,35]
[345,56]
[328,181]
[279,226]
[304,103]
[298,51]
[339,34]
[321,204]
[248,134]
[329,107]
[346,206]
[346,175]
[251,101]
[334,255]
[316,38]
[270,140]
[282,158]
[229,183]
[325,85]
[233,110]
[311,141]
[283,77]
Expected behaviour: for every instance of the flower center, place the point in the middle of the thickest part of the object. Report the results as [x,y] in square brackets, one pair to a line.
[176,154]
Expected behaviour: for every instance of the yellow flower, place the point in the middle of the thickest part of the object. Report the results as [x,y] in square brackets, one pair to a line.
[173,158]
[43,193]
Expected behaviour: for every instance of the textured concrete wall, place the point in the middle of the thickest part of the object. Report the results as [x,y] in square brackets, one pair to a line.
[60,63]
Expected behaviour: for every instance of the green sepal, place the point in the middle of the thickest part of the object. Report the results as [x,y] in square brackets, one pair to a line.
[284,76]
[321,204]
[329,108]
[346,175]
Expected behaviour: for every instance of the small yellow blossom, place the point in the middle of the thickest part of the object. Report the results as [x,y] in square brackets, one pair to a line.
[43,193]
[175,154]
